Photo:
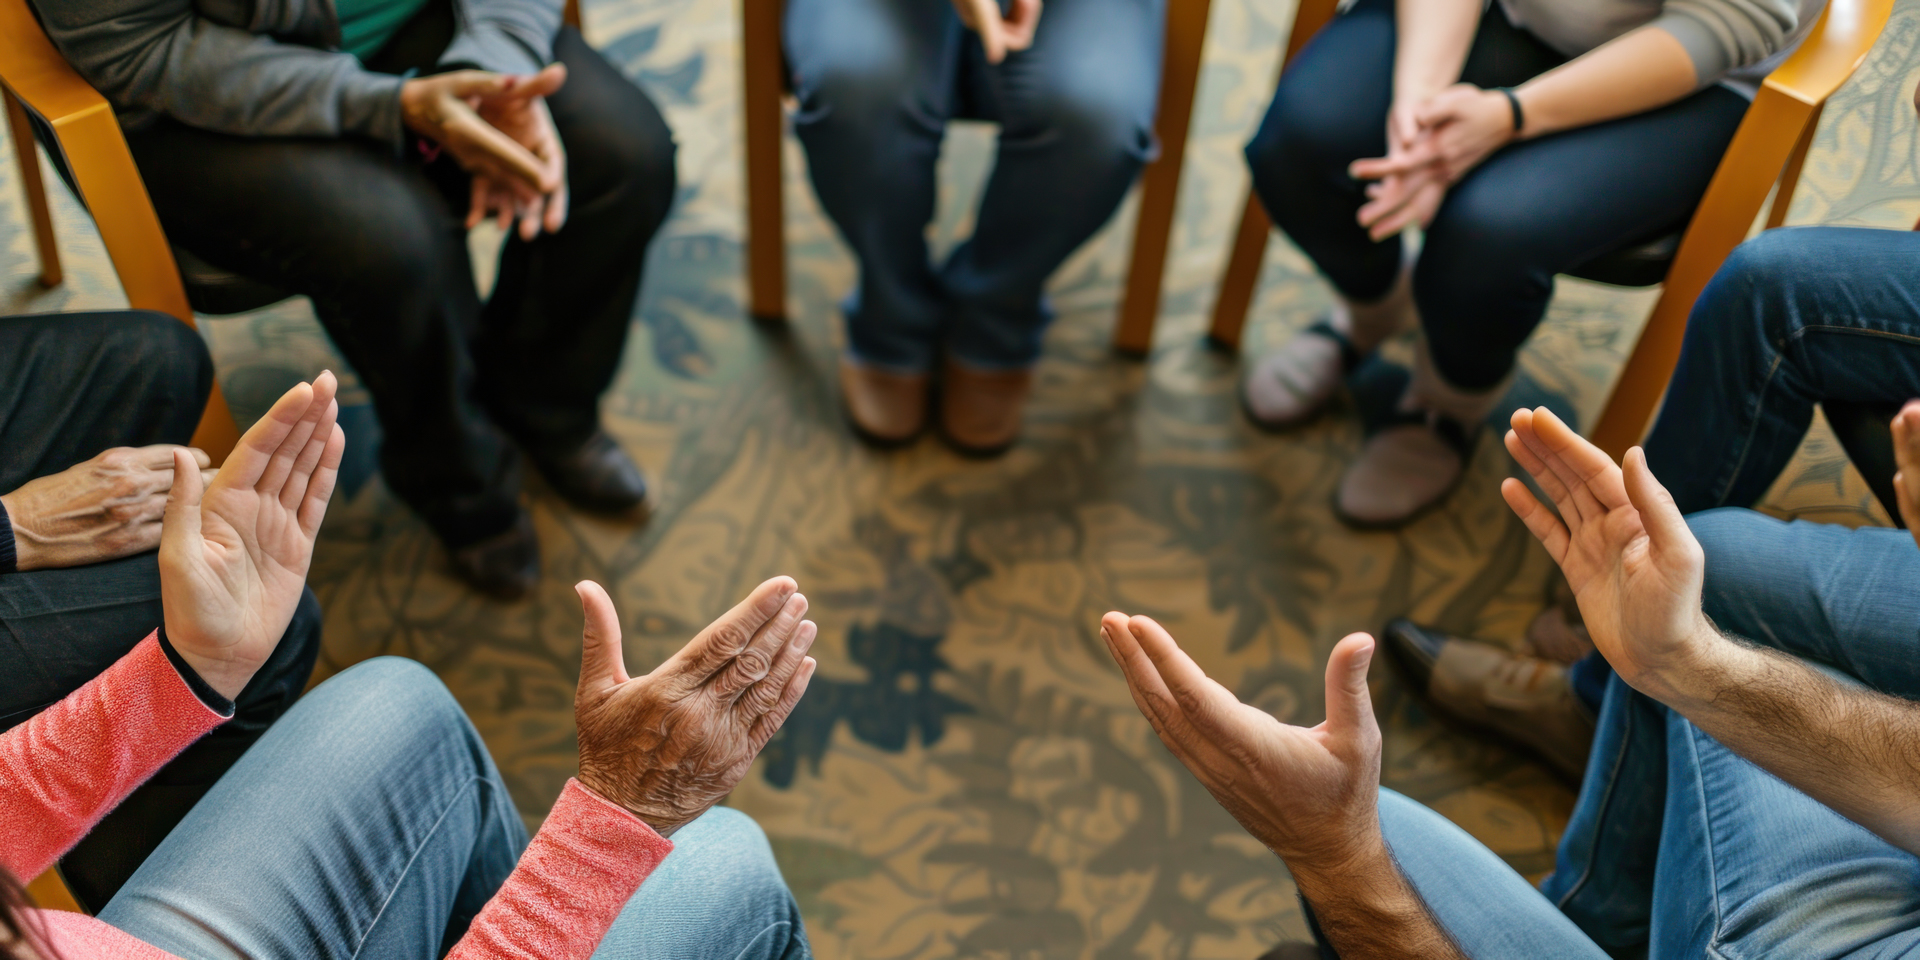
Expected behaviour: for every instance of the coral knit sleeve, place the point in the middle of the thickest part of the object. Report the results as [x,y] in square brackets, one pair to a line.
[71,764]
[576,876]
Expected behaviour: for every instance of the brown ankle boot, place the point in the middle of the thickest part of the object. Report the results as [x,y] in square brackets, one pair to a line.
[886,409]
[980,409]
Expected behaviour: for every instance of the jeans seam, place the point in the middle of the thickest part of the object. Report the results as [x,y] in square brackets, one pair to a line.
[1706,825]
[408,869]
[1606,803]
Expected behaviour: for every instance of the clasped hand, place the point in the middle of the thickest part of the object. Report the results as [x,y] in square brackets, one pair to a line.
[498,128]
[669,745]
[1000,34]
[1432,142]
[100,509]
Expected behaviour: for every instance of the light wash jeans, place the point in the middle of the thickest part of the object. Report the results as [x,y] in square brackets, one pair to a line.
[370,822]
[1677,847]
[877,81]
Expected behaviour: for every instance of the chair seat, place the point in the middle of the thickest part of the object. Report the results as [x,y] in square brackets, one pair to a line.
[1639,265]
[217,292]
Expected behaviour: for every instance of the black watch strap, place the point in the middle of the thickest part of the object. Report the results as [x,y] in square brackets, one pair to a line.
[1519,115]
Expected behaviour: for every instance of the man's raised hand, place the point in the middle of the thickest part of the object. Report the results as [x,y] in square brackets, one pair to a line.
[1309,793]
[234,552]
[1634,566]
[669,745]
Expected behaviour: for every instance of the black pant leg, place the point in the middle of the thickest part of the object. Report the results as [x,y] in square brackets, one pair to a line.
[552,333]
[374,243]
[74,384]
[61,628]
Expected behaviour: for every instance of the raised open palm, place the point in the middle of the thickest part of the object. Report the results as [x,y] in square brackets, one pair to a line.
[234,553]
[1634,566]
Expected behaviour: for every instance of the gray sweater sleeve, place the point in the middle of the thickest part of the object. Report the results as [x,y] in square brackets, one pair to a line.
[1723,35]
[505,36]
[160,56]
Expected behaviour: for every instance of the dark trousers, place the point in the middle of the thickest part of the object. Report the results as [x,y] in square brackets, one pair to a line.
[1530,211]
[377,241]
[72,385]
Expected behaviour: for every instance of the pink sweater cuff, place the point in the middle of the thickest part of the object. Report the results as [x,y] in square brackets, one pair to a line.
[573,881]
[65,768]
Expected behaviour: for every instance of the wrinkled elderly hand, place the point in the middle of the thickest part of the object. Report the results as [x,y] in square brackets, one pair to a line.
[1311,794]
[671,744]
[234,554]
[1633,564]
[103,509]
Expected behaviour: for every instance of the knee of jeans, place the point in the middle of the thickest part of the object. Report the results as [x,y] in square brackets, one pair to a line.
[854,86]
[1730,537]
[1304,131]
[1752,266]
[729,848]
[393,701]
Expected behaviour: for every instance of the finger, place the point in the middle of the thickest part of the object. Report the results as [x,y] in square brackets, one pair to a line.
[313,509]
[1596,472]
[545,83]
[557,209]
[1540,521]
[987,24]
[1548,481]
[769,723]
[1022,26]
[1202,702]
[1659,515]
[255,450]
[506,159]
[273,480]
[294,491]
[158,456]
[478,194]
[714,648]
[753,664]
[531,218]
[603,662]
[470,84]
[762,696]
[1149,691]
[1349,702]
[1581,499]
[180,533]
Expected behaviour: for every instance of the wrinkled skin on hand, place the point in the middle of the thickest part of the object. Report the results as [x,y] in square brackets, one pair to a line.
[101,509]
[669,745]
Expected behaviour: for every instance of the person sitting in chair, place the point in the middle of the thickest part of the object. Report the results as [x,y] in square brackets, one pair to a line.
[370,821]
[1073,90]
[341,151]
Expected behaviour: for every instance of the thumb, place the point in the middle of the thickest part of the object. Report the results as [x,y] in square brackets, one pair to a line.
[545,83]
[183,500]
[1349,702]
[478,83]
[603,664]
[1659,515]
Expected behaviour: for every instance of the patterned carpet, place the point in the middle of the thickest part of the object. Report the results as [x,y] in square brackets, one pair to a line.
[968,776]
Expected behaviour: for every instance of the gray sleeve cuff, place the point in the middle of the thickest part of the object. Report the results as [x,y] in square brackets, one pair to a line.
[490,46]
[370,107]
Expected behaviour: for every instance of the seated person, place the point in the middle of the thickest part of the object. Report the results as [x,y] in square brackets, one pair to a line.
[1073,91]
[1773,814]
[340,151]
[92,408]
[370,821]
[1795,318]
[1523,139]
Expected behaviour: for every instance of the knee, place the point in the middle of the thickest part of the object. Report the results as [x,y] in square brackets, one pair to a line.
[629,156]
[1303,131]
[729,850]
[853,86]
[391,705]
[1109,126]
[1730,539]
[147,339]
[1739,287]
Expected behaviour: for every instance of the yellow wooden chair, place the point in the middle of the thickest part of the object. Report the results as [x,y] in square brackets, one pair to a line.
[1768,148]
[764,89]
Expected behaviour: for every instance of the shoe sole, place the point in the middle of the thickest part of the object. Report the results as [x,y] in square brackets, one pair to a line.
[1492,733]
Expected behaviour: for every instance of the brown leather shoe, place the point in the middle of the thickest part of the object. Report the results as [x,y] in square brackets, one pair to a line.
[1525,699]
[886,409]
[980,409]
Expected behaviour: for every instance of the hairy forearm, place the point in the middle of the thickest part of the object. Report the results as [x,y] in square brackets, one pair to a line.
[1434,36]
[1630,74]
[1369,911]
[1853,749]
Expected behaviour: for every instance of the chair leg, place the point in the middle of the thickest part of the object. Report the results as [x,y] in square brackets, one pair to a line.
[34,186]
[1753,161]
[1790,177]
[766,215]
[1160,184]
[1242,278]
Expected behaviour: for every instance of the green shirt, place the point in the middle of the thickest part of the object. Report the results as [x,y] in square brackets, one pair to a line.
[367,25]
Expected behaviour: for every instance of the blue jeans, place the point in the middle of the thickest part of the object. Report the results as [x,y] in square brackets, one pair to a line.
[1796,317]
[370,822]
[877,81]
[1737,864]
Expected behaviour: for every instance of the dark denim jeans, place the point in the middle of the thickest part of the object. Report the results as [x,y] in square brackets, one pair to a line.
[72,385]
[877,82]
[371,822]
